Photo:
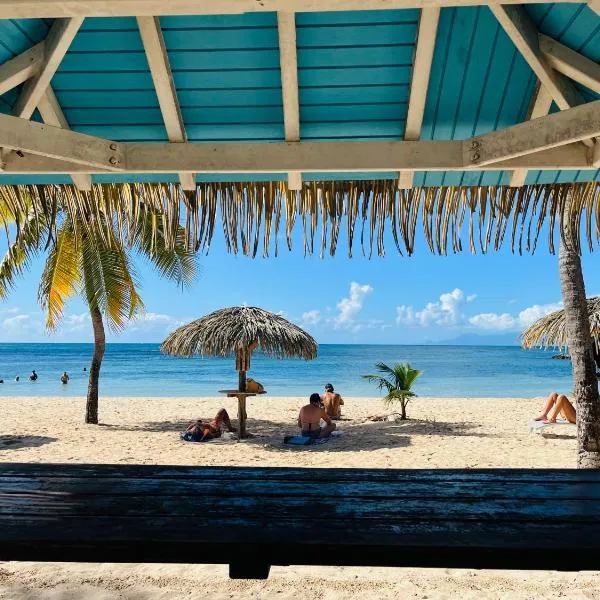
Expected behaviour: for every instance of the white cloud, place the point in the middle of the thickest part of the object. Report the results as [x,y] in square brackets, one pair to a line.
[350,307]
[9,311]
[471,297]
[446,311]
[311,317]
[506,321]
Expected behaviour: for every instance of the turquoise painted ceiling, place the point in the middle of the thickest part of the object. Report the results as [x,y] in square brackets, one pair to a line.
[354,72]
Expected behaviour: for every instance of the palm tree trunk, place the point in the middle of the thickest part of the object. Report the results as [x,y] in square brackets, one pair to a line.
[91,409]
[582,358]
[403,410]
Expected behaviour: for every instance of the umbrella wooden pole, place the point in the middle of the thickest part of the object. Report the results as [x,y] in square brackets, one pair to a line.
[242,405]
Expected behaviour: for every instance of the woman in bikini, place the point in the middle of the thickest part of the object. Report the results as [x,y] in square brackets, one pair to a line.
[557,404]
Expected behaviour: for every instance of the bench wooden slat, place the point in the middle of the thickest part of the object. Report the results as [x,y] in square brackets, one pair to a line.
[252,518]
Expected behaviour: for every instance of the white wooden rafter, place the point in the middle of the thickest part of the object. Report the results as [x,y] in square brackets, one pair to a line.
[522,31]
[426,36]
[22,67]
[547,142]
[160,69]
[288,59]
[540,106]
[572,64]
[595,6]
[10,9]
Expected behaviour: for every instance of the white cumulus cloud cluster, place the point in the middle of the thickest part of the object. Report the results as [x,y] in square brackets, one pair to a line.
[446,311]
[507,322]
[350,306]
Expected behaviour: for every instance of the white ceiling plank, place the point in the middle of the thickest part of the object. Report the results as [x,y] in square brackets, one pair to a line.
[57,43]
[595,6]
[160,68]
[540,106]
[11,9]
[577,67]
[19,69]
[565,127]
[288,60]
[53,115]
[427,33]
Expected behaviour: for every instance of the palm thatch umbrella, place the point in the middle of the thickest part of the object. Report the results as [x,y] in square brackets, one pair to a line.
[240,330]
[551,331]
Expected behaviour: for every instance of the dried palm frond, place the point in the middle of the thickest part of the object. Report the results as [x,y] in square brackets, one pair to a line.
[551,331]
[251,213]
[231,330]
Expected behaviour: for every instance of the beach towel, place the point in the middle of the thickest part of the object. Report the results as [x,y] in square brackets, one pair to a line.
[539,426]
[301,440]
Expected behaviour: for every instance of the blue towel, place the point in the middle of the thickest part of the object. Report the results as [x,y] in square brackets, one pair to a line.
[297,440]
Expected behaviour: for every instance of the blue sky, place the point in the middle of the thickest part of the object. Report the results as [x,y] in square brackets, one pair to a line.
[395,299]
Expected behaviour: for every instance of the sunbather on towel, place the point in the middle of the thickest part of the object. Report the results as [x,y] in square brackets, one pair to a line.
[202,432]
[309,419]
[557,404]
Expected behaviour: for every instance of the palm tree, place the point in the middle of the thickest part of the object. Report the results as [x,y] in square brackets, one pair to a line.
[582,359]
[397,381]
[95,262]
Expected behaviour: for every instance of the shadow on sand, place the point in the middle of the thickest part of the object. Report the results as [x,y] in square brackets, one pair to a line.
[14,442]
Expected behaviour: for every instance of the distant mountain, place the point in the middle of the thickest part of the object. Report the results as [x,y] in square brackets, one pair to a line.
[473,339]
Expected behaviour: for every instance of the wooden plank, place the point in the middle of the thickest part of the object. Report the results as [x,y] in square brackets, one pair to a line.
[426,36]
[570,157]
[57,43]
[540,106]
[288,59]
[570,63]
[568,126]
[53,115]
[19,69]
[160,69]
[480,518]
[10,9]
[595,6]
[53,142]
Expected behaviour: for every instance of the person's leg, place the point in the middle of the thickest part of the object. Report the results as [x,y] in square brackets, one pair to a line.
[566,408]
[326,431]
[222,418]
[550,402]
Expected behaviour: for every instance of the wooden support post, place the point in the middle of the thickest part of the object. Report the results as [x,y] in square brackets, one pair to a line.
[242,405]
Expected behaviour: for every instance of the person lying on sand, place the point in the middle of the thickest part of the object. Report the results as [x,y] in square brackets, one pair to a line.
[332,402]
[557,404]
[201,432]
[309,419]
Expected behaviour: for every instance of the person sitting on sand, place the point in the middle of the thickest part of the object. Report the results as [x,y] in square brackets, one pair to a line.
[557,404]
[198,431]
[64,378]
[332,402]
[309,419]
[33,376]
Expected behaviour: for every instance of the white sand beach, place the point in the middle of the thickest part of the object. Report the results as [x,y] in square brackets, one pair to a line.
[460,432]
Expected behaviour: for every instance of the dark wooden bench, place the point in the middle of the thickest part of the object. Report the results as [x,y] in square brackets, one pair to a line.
[254,518]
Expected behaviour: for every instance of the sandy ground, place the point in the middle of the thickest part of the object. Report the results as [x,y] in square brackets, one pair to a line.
[459,432]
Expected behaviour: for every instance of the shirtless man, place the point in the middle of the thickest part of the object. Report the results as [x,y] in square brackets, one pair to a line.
[309,419]
[333,402]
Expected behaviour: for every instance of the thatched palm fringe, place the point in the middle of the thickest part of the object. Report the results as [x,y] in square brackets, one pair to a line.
[550,331]
[252,213]
[238,329]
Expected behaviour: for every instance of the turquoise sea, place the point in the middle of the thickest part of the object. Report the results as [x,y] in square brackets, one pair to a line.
[141,370]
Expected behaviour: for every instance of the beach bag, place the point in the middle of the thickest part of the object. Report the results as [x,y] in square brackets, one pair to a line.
[254,387]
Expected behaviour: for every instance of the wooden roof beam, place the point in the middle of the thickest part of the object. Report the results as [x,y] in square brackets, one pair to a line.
[57,43]
[524,34]
[565,127]
[595,6]
[288,59]
[500,147]
[10,9]
[428,26]
[53,115]
[160,68]
[577,67]
[540,106]
[22,67]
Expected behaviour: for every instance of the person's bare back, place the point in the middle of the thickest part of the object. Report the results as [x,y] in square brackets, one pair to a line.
[309,419]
